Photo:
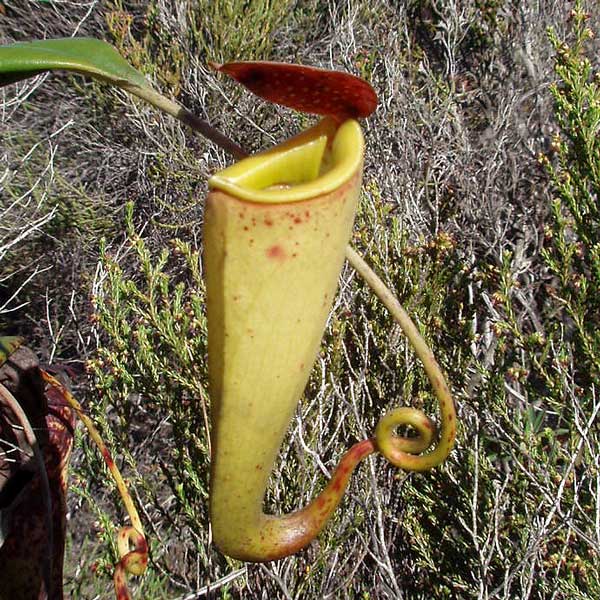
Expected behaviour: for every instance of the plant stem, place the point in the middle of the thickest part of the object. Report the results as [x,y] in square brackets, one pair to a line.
[185,116]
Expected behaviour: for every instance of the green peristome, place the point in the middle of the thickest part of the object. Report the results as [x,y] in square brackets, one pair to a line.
[276,228]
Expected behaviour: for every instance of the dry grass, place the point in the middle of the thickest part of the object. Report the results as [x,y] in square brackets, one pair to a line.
[453,214]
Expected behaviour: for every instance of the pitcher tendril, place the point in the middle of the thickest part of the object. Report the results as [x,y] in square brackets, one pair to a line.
[132,561]
[401,451]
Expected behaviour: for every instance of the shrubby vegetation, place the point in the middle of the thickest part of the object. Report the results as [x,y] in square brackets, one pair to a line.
[480,209]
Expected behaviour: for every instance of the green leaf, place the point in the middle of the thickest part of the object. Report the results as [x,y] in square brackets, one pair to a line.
[87,56]
[100,60]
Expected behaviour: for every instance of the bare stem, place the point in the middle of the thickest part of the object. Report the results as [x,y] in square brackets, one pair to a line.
[185,116]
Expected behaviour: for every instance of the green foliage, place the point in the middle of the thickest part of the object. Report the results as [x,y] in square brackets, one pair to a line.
[82,55]
[573,234]
[150,377]
[429,277]
[452,218]
[543,385]
[225,30]
[220,30]
[526,464]
[156,347]
[157,53]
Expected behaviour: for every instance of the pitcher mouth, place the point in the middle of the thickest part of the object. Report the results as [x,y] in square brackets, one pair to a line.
[313,163]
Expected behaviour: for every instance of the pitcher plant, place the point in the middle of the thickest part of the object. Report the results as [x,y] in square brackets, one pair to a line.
[276,232]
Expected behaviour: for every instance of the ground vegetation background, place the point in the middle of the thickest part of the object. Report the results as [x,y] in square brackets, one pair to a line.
[479,209]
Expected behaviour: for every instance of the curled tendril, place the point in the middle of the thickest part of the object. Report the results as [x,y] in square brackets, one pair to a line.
[133,562]
[131,542]
[407,452]
[393,446]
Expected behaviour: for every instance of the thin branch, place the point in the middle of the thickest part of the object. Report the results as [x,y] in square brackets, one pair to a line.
[212,587]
